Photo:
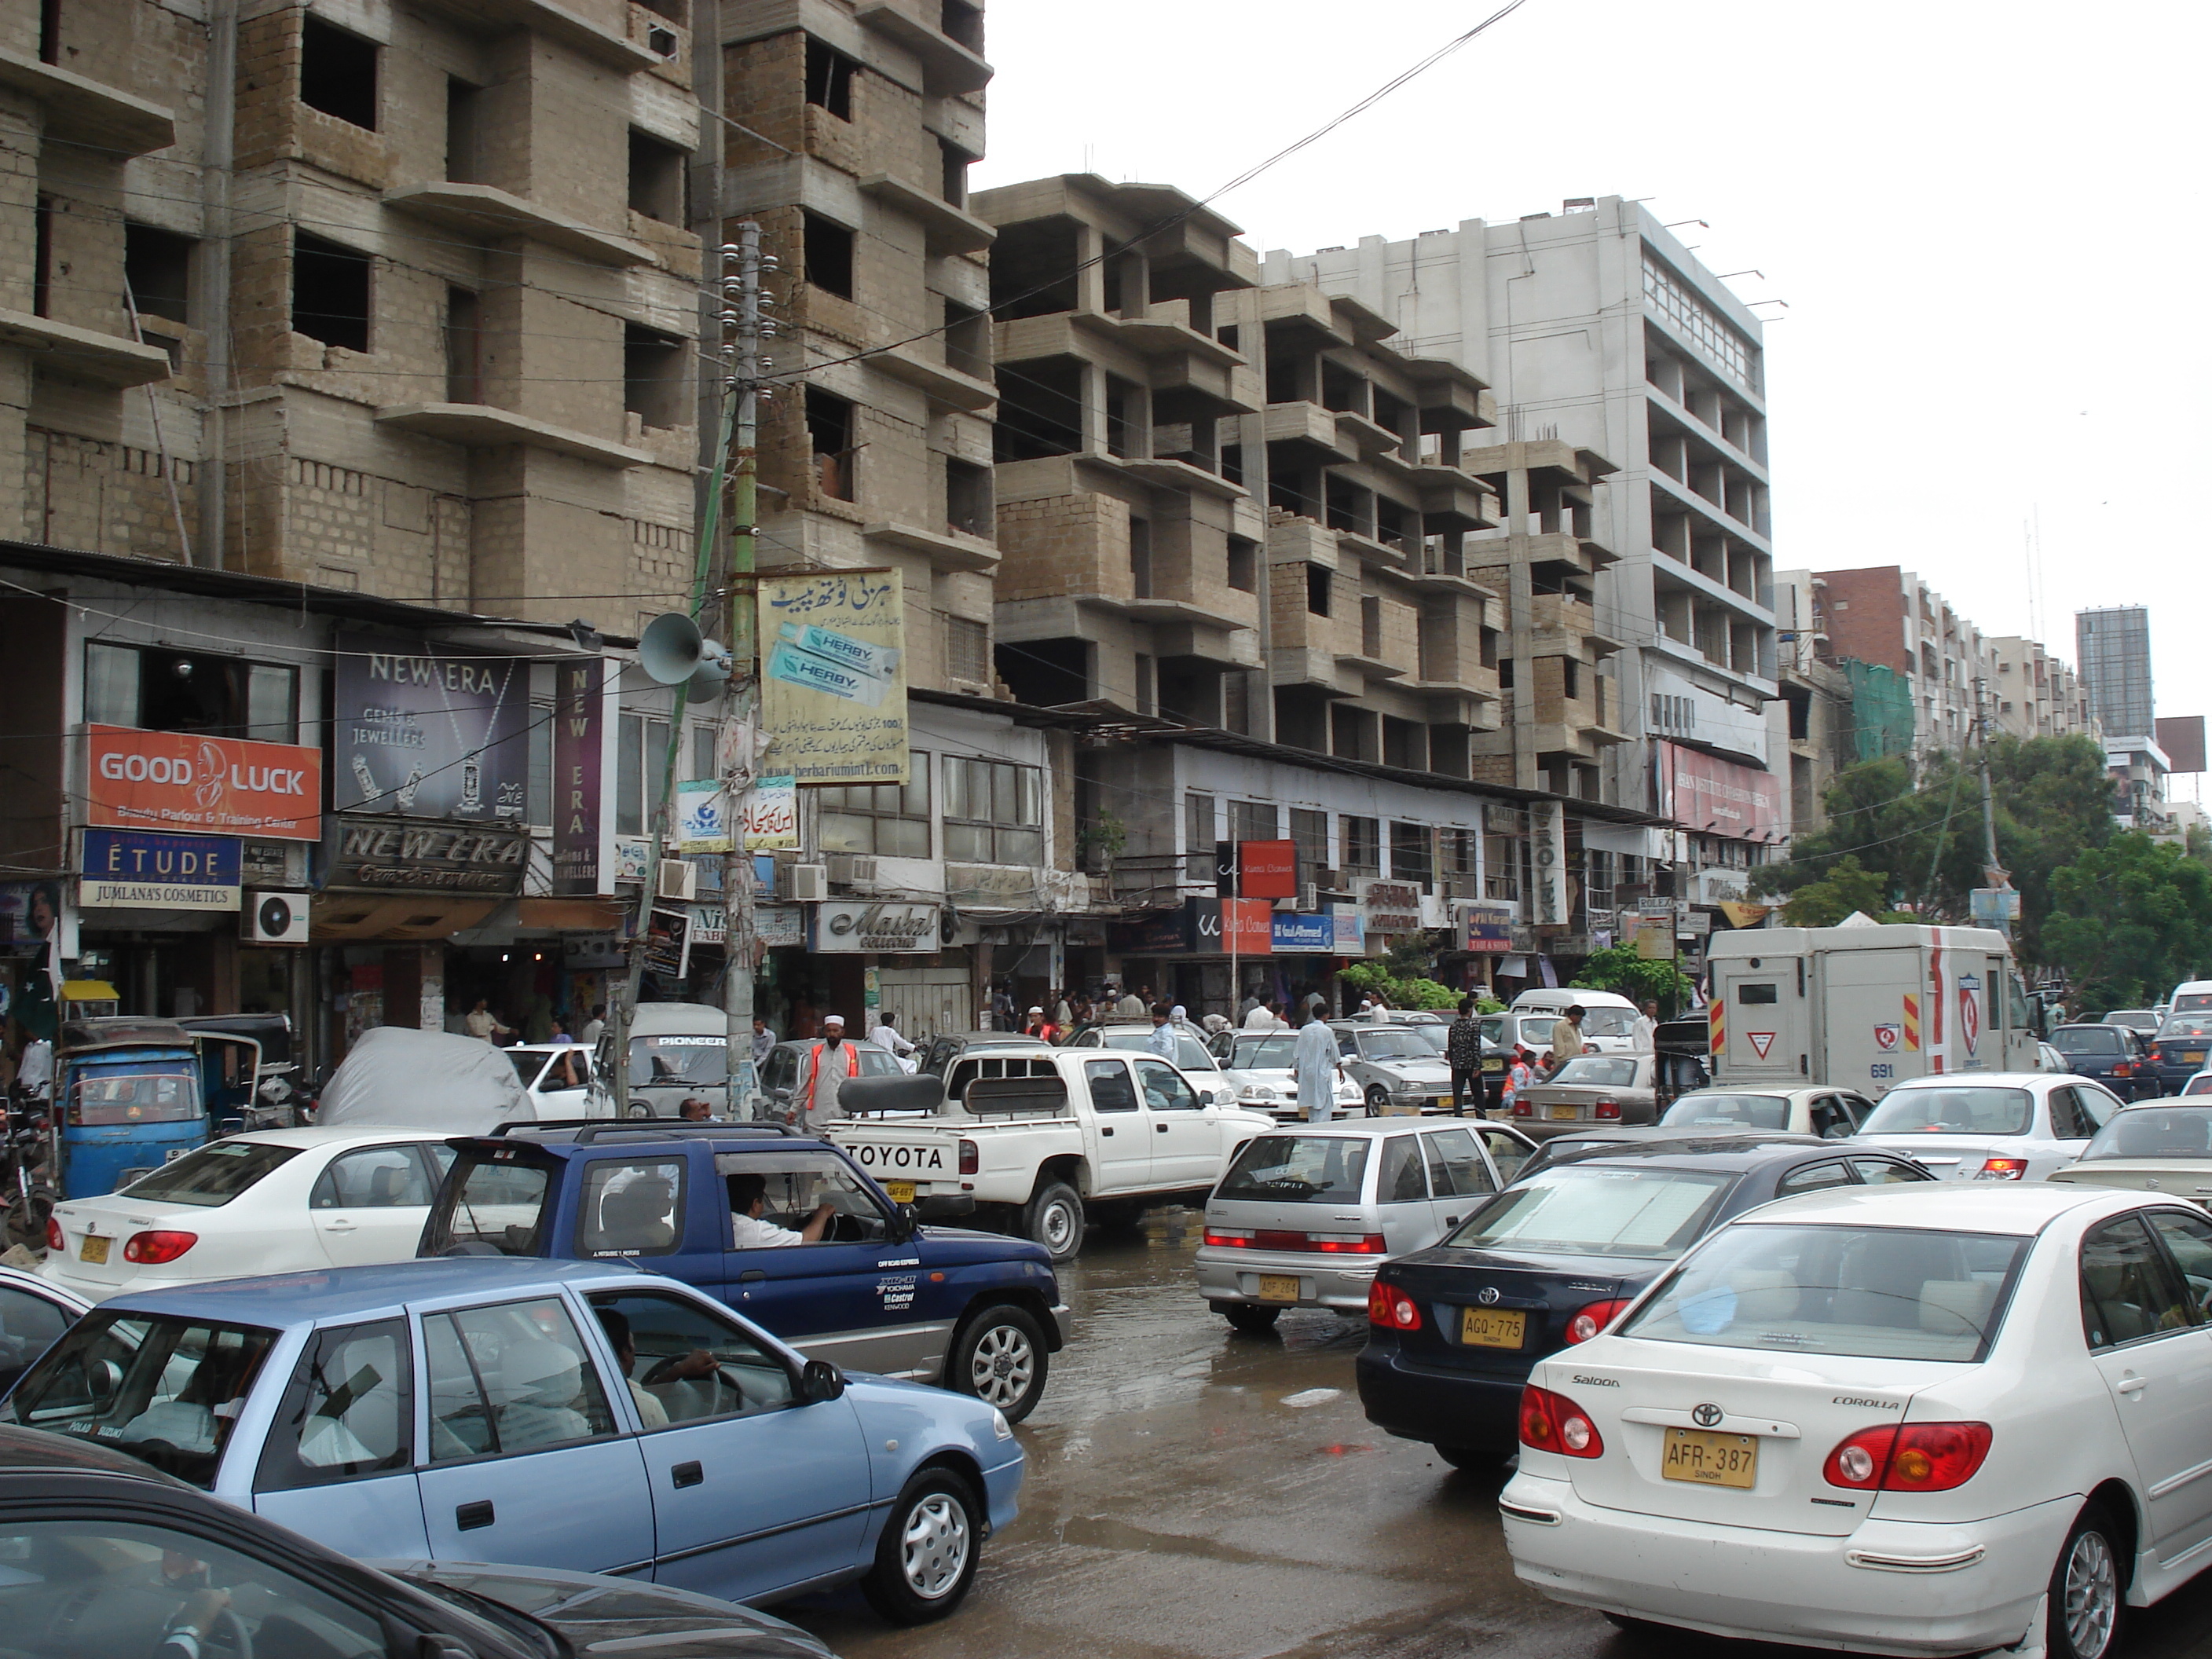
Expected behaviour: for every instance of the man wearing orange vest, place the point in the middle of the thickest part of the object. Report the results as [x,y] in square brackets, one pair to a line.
[824,1074]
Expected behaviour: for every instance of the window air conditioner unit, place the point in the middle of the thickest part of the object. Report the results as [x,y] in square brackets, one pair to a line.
[810,883]
[679,879]
[851,870]
[1309,897]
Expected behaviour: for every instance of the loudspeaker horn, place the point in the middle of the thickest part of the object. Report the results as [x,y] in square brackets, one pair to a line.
[672,650]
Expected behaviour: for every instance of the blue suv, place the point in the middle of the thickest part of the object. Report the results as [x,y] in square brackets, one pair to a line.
[783,1228]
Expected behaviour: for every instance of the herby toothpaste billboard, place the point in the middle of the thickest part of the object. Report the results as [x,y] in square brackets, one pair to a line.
[833,676]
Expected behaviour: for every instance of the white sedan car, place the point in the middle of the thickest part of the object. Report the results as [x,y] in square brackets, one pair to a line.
[273,1201]
[1991,1126]
[1894,1419]
[556,1076]
[1258,1068]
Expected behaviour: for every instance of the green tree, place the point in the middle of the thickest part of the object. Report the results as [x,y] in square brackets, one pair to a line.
[2129,919]
[1640,979]
[1848,886]
[1401,991]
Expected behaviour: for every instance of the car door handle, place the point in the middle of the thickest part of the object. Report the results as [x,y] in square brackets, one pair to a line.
[686,1474]
[2130,1385]
[751,1276]
[1162,1128]
[1109,1133]
[338,1226]
[468,1517]
[1451,1221]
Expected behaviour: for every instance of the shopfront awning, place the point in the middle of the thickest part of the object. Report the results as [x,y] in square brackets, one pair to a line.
[337,916]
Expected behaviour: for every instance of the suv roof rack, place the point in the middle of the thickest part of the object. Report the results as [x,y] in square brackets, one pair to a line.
[590,1129]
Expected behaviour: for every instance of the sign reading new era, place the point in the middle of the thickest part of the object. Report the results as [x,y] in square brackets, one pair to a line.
[131,869]
[414,856]
[138,780]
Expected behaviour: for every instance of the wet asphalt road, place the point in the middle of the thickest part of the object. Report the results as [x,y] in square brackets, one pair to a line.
[1178,1507]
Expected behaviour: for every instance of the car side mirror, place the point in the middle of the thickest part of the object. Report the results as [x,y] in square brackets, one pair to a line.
[820,1381]
[902,1222]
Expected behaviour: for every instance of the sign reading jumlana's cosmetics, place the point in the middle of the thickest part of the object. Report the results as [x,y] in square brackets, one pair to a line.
[396,854]
[584,721]
[832,682]
[138,780]
[849,926]
[430,730]
[129,868]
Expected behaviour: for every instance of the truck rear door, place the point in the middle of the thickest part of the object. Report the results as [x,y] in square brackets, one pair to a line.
[1761,1027]
[1875,1012]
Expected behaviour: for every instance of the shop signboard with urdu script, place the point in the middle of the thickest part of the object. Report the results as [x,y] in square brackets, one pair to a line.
[833,676]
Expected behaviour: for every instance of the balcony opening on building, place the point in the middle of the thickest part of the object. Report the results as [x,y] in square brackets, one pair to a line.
[158,266]
[964,24]
[1033,268]
[1039,409]
[1317,584]
[464,107]
[654,385]
[656,180]
[330,292]
[968,504]
[1243,563]
[830,79]
[829,255]
[463,347]
[830,432]
[338,72]
[1046,673]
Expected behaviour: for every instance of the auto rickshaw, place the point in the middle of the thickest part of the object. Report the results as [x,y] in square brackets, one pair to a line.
[129,1096]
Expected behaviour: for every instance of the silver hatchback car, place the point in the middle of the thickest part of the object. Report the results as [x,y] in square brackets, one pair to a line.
[1305,1214]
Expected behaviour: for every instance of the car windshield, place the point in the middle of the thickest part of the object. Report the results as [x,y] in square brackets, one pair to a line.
[679,1057]
[1298,1169]
[1584,1210]
[1536,1030]
[108,1098]
[1727,1111]
[1882,1292]
[166,1389]
[213,1175]
[2142,1019]
[1609,1022]
[1952,1109]
[2088,1040]
[1190,1054]
[2199,1084]
[2154,1132]
[2186,1025]
[491,1197]
[1263,1054]
[1434,1036]
[1597,1071]
[1393,1045]
[1494,1030]
[2189,1001]
[528,1063]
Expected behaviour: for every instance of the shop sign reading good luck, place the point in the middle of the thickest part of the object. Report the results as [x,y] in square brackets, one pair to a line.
[128,868]
[139,780]
[412,856]
[849,926]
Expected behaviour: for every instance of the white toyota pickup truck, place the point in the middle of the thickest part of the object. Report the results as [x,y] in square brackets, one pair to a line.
[1036,1142]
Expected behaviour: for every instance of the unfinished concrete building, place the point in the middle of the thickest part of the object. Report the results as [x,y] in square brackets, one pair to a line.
[852,125]
[394,299]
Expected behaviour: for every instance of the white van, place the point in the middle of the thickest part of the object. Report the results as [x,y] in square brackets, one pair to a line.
[1608,1017]
[2191,996]
[676,1049]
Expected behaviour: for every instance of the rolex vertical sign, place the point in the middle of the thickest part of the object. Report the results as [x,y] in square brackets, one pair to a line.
[1547,858]
[583,699]
[833,677]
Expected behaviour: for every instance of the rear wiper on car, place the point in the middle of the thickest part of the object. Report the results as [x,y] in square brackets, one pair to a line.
[1293,1181]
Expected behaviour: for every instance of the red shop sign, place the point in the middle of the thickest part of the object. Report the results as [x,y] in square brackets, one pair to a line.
[221,786]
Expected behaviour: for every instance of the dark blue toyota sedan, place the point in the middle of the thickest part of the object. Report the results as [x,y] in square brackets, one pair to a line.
[1452,1331]
[784,1229]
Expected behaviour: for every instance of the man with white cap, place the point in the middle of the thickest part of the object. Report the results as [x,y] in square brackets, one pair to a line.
[828,1063]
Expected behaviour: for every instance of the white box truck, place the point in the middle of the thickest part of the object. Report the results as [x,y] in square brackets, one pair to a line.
[1865,1006]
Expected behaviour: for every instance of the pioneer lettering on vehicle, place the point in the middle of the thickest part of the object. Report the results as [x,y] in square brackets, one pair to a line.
[1597,1382]
[1863,1399]
[900,1158]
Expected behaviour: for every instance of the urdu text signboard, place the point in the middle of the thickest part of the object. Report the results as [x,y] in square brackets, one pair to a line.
[429,731]
[833,676]
[179,780]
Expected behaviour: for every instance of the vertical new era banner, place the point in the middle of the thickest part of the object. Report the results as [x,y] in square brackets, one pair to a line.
[833,676]
[583,762]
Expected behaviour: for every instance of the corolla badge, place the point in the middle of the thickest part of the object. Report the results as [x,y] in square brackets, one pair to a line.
[1706,1416]
[1487,1295]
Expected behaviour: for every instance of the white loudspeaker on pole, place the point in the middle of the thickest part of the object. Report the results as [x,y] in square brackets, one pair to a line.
[672,651]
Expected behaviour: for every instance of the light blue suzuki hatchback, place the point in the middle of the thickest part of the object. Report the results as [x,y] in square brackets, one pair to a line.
[575,1415]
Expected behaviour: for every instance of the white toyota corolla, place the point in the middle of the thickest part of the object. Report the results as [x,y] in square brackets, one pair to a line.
[1904,1420]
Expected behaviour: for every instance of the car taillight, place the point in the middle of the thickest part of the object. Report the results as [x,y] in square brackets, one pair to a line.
[1606,1108]
[1524,1108]
[1392,1309]
[1592,1320]
[2002,1168]
[2124,1068]
[1552,1422]
[1909,1457]
[54,1235]
[971,1160]
[151,1249]
[1238,1241]
[1268,1239]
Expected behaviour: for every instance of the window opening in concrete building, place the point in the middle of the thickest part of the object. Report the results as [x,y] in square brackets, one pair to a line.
[1120,416]
[1243,564]
[1040,410]
[1237,702]
[1039,255]
[830,79]
[1146,701]
[158,689]
[1457,850]
[330,292]
[1190,691]
[656,184]
[889,820]
[1229,336]
[463,347]
[50,31]
[994,812]
[1405,742]
[1046,673]
[1370,628]
[829,255]
[1390,521]
[1317,590]
[1232,462]
[967,503]
[1310,834]
[1506,674]
[1410,857]
[655,387]
[1352,733]
[1198,837]
[967,340]
[1570,679]
[338,72]
[1252,820]
[967,650]
[1393,412]
[1348,507]
[830,431]
[964,24]
[1341,390]
[954,162]
[1363,845]
[42,257]
[464,105]
[640,764]
[158,266]
[1140,558]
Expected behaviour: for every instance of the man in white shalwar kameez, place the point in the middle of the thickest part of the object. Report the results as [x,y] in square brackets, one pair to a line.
[1314,1062]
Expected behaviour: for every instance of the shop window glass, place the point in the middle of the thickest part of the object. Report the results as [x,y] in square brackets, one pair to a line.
[888,819]
[164,691]
[994,812]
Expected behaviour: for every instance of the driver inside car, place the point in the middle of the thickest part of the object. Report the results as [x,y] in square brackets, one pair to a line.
[747,1204]
[690,1367]
[186,1633]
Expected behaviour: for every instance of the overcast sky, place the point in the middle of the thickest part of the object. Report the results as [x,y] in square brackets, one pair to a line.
[1985,218]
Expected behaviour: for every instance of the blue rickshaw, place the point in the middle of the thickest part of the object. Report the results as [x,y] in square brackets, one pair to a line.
[129,1096]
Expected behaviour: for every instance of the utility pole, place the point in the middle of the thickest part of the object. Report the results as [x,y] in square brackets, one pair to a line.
[743,331]
[1993,873]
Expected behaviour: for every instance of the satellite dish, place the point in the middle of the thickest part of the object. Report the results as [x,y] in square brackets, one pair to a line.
[672,650]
